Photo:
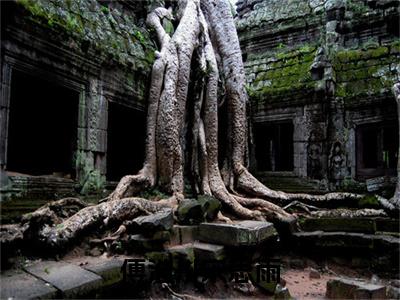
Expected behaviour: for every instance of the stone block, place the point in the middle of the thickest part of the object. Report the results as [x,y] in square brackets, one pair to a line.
[210,206]
[183,234]
[71,280]
[159,221]
[21,285]
[342,288]
[243,233]
[138,243]
[109,270]
[190,212]
[204,252]
[182,257]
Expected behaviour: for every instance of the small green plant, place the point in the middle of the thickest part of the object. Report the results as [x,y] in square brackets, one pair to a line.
[46,270]
[281,46]
[105,10]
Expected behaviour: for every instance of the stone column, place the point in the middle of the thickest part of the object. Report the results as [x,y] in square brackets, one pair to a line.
[92,137]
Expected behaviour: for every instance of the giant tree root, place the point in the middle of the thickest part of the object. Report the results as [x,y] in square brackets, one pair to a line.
[56,233]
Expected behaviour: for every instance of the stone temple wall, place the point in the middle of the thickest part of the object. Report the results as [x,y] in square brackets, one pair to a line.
[328,67]
[100,50]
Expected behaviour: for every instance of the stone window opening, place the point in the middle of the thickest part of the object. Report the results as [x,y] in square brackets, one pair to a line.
[125,153]
[377,150]
[274,146]
[42,128]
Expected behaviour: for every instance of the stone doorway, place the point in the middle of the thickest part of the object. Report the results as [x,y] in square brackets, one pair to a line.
[377,147]
[125,153]
[42,129]
[274,146]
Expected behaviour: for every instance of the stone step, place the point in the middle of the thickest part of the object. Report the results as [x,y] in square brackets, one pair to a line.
[343,288]
[346,240]
[365,225]
[243,233]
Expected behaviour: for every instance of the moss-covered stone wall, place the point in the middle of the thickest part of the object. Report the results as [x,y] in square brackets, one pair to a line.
[366,72]
[273,79]
[327,67]
[110,30]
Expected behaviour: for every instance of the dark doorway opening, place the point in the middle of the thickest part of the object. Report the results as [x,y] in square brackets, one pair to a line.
[274,146]
[377,149]
[126,141]
[42,130]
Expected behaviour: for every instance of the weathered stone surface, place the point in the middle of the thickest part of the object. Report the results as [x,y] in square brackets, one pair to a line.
[159,221]
[383,244]
[139,243]
[282,292]
[71,280]
[244,233]
[183,234]
[210,206]
[21,285]
[208,252]
[393,292]
[190,212]
[341,288]
[339,224]
[387,225]
[109,270]
[182,257]
[314,274]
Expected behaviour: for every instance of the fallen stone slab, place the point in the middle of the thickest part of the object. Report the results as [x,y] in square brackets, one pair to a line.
[243,233]
[71,280]
[204,252]
[110,270]
[160,221]
[343,288]
[21,285]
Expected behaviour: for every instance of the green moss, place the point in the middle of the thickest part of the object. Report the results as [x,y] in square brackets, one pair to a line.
[364,72]
[121,41]
[290,71]
[369,201]
[90,179]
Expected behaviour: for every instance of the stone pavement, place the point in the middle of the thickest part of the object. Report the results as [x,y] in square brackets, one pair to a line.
[60,279]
